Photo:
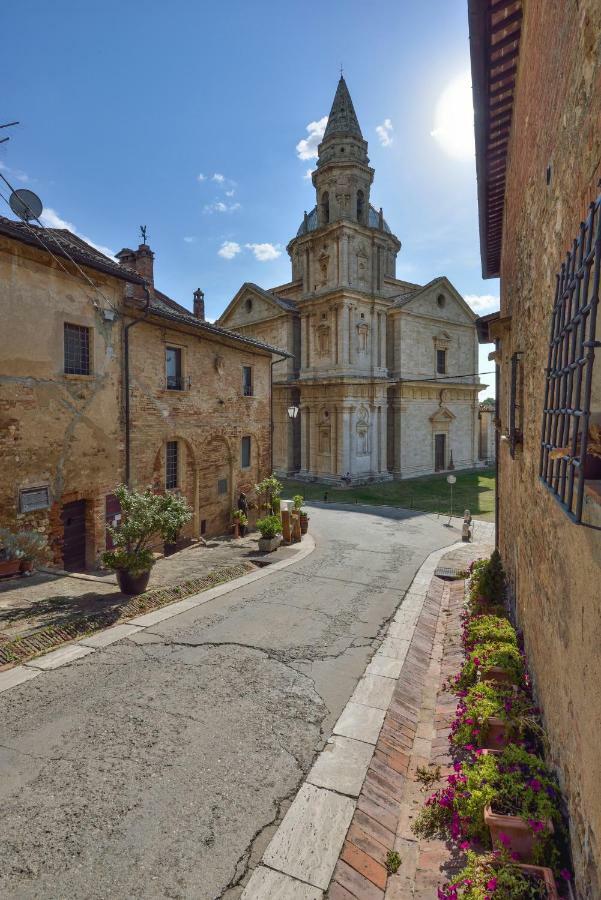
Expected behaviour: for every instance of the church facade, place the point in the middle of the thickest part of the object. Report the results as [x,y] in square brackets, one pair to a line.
[380,380]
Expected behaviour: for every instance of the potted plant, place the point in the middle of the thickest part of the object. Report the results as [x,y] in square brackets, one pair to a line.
[10,554]
[298,501]
[491,662]
[496,874]
[170,542]
[33,548]
[240,522]
[512,784]
[485,629]
[491,715]
[268,490]
[144,515]
[271,533]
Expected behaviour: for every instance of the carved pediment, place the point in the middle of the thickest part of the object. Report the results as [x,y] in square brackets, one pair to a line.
[442,416]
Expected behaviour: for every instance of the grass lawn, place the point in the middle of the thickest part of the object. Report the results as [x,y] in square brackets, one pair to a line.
[474,490]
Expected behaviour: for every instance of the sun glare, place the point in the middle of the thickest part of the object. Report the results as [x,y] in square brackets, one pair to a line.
[454,119]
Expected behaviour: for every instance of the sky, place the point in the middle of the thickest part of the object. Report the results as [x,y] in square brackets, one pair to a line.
[200,120]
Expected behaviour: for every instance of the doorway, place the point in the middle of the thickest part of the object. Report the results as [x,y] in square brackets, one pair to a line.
[440,452]
[73,517]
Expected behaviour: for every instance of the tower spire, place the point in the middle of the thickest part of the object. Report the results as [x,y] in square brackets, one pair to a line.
[342,118]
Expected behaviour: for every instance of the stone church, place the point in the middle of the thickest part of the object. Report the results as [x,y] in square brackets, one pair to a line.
[380,383]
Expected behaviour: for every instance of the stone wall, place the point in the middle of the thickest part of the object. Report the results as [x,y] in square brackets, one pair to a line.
[57,431]
[554,565]
[208,419]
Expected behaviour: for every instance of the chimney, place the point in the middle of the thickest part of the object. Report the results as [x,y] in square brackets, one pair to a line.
[199,304]
[145,263]
[140,261]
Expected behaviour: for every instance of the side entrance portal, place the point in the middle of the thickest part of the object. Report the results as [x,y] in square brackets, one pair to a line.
[73,517]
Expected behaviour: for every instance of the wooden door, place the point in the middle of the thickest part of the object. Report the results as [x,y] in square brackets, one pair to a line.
[73,517]
[440,441]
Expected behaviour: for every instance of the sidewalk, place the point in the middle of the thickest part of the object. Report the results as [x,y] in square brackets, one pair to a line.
[356,806]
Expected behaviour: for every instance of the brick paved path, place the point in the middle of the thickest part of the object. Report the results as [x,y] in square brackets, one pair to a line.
[414,734]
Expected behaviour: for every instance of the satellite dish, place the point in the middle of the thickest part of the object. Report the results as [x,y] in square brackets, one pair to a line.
[25,204]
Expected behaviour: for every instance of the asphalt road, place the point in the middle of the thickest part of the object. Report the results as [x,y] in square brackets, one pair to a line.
[160,766]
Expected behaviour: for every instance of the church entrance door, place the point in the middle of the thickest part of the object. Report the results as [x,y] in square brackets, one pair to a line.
[440,441]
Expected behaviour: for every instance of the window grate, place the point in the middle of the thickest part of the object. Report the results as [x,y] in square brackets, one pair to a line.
[515,405]
[77,349]
[247,381]
[171,460]
[245,453]
[222,486]
[569,372]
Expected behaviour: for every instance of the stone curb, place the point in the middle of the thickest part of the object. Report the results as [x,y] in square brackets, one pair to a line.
[305,851]
[74,650]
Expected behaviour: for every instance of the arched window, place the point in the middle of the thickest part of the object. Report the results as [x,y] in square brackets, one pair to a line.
[360,205]
[325,207]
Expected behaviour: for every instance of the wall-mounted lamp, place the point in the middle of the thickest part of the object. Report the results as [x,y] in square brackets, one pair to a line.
[293,411]
[109,315]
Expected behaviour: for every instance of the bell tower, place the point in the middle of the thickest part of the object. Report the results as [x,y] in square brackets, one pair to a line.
[343,177]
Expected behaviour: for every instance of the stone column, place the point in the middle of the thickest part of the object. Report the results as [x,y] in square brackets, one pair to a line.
[313,442]
[382,340]
[344,261]
[308,341]
[373,344]
[374,440]
[336,337]
[351,337]
[305,415]
[383,423]
[345,440]
[344,334]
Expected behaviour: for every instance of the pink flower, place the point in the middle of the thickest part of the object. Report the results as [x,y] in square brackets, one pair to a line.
[566,874]
[491,885]
[535,784]
[504,838]
[464,845]
[536,825]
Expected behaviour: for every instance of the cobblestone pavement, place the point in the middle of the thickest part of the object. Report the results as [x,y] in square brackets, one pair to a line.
[48,599]
[162,765]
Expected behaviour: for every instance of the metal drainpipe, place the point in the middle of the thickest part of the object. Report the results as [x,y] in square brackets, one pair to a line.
[273,363]
[497,443]
[126,380]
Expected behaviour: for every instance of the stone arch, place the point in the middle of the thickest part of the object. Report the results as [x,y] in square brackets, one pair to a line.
[187,474]
[215,466]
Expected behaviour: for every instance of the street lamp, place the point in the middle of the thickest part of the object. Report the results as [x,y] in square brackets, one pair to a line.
[293,411]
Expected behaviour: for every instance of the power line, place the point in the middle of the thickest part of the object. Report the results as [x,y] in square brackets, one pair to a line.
[58,244]
[447,377]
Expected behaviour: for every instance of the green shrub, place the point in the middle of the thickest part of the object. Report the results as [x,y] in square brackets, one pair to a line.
[269,526]
[484,657]
[487,579]
[486,700]
[133,562]
[298,501]
[490,629]
[492,875]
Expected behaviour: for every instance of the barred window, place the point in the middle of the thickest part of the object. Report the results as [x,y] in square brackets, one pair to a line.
[567,430]
[171,465]
[441,362]
[247,381]
[77,349]
[222,486]
[516,422]
[173,369]
[245,452]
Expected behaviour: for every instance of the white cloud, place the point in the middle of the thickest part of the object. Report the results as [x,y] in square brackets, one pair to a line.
[307,175]
[51,219]
[17,174]
[307,147]
[229,249]
[384,132]
[482,303]
[265,252]
[454,119]
[201,177]
[190,240]
[230,193]
[221,207]
[218,177]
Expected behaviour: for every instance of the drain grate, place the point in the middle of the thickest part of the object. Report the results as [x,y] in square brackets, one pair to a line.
[448,572]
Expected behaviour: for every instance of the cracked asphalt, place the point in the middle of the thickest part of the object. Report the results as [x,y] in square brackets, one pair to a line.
[160,767]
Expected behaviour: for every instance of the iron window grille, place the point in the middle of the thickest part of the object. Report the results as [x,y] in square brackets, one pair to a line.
[245,452]
[174,379]
[171,465]
[247,381]
[441,362]
[77,349]
[222,486]
[516,436]
[567,407]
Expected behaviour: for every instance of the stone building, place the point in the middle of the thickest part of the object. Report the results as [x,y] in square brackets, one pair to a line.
[536,74]
[381,369]
[198,404]
[486,439]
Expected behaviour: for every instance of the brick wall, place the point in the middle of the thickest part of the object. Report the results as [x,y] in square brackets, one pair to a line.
[208,420]
[554,565]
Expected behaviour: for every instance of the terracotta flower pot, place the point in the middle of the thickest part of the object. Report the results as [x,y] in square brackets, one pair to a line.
[9,567]
[546,876]
[26,566]
[130,583]
[169,548]
[496,735]
[518,836]
[304,523]
[236,530]
[498,674]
